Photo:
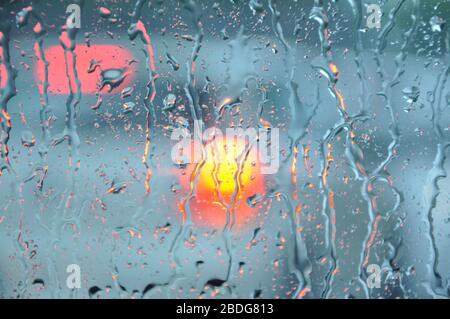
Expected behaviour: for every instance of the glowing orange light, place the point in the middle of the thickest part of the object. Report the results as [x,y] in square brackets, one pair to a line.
[226,180]
[331,199]
[341,100]
[334,68]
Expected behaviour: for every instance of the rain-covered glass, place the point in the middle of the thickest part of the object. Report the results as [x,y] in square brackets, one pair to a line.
[224,149]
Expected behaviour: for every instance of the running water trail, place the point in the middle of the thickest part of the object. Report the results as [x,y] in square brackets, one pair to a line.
[41,169]
[325,65]
[72,200]
[7,93]
[353,152]
[431,189]
[137,27]
[380,173]
[196,113]
[356,7]
[301,115]
[39,31]
[236,198]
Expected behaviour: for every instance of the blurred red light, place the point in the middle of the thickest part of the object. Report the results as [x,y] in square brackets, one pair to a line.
[107,57]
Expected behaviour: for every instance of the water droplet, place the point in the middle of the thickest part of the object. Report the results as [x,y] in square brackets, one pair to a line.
[113,78]
[128,107]
[117,187]
[411,94]
[173,62]
[28,139]
[169,101]
[126,92]
[437,23]
[252,201]
[104,12]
